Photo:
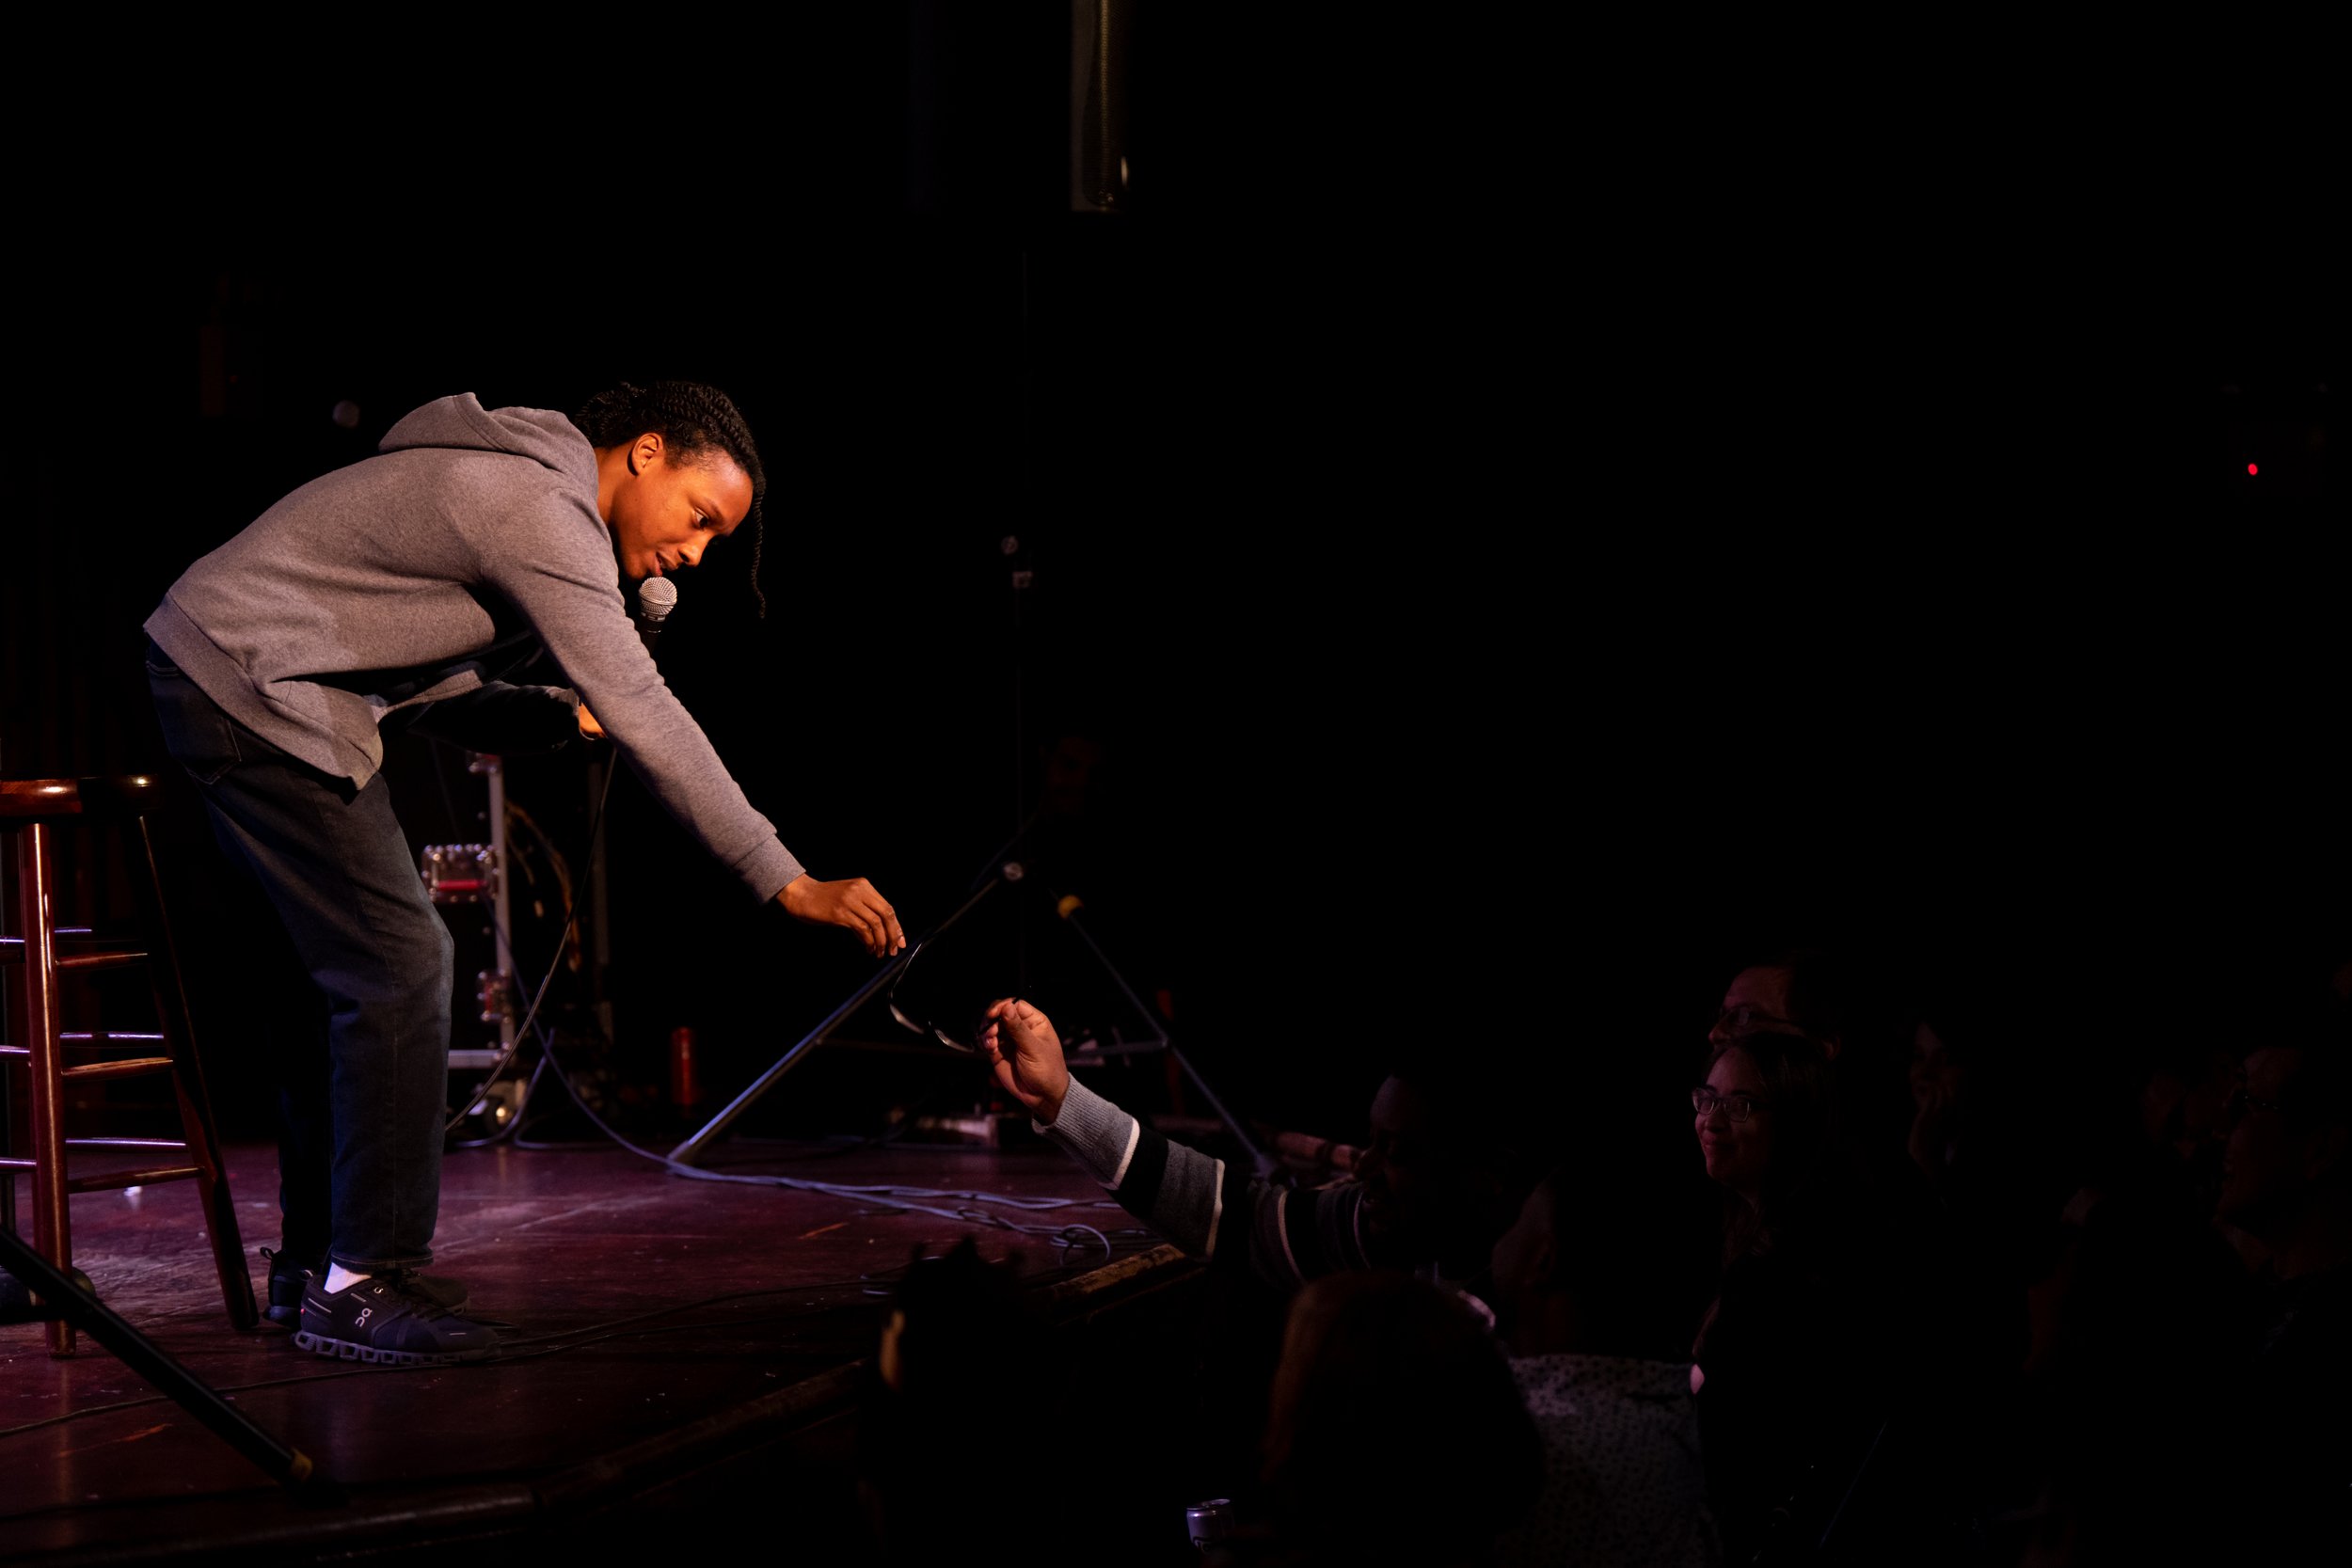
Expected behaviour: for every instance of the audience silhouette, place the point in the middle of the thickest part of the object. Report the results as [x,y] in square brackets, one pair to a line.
[1994,1283]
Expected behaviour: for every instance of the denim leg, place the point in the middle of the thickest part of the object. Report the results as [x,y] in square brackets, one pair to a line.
[335,864]
[205,742]
[306,1134]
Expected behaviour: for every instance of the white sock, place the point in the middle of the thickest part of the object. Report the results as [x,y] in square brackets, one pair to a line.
[340,1278]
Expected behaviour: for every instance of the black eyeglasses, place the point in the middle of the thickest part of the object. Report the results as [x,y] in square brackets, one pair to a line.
[914,1010]
[1737,1107]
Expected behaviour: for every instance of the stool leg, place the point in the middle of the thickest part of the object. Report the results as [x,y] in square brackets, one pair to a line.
[9,999]
[52,1237]
[195,1104]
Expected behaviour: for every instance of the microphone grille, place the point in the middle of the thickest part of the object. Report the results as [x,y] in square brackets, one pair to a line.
[657,598]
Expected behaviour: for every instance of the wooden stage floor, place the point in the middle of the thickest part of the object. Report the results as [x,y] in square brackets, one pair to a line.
[659,1329]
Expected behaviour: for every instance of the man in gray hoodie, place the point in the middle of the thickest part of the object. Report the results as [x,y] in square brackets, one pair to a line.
[395,592]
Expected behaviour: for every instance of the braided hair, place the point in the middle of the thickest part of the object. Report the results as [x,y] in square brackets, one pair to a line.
[690,418]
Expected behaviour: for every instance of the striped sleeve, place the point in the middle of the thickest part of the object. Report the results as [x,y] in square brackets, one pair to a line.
[1302,1233]
[1198,1202]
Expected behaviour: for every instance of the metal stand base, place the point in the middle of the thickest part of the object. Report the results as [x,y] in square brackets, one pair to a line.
[289,1466]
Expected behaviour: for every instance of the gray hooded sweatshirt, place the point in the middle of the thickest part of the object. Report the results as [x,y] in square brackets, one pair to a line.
[414,576]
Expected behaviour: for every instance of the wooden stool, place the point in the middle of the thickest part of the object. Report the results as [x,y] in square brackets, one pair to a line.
[31,811]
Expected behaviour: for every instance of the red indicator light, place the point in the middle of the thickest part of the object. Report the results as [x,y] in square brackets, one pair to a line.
[2251,469]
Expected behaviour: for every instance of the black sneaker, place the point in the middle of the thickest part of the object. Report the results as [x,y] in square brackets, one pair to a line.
[288,1279]
[386,1319]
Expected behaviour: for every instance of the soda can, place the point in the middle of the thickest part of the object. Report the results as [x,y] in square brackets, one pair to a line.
[685,1081]
[1210,1522]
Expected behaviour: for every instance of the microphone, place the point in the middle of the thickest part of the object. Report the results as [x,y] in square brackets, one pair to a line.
[655,598]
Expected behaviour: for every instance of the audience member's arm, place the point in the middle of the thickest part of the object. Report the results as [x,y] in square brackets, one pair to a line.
[1195,1202]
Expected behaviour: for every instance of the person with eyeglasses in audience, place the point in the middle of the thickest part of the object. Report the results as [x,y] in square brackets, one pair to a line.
[1813,1405]
[1761,1360]
[1848,1003]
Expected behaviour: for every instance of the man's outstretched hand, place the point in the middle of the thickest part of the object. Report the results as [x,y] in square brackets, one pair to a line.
[1025,1055]
[851,902]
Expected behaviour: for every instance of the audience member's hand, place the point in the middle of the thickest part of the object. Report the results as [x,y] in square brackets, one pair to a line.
[1034,1072]
[852,904]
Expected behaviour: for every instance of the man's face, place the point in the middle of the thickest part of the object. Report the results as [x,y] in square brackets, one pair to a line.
[1441,1200]
[2262,1164]
[1396,1167]
[1410,1179]
[667,509]
[1756,998]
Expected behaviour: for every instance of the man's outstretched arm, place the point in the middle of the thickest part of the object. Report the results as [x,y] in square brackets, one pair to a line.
[566,589]
[1200,1203]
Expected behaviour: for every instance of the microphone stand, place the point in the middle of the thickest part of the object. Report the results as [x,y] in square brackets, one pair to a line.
[289,1466]
[999,871]
[1068,907]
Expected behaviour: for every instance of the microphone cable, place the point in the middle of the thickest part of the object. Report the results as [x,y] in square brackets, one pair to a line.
[562,937]
[655,598]
[903,1199]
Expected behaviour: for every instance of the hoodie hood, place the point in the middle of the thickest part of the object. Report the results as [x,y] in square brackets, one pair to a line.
[461,423]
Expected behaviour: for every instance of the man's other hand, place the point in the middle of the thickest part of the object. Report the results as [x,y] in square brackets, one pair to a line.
[1033,1071]
[852,904]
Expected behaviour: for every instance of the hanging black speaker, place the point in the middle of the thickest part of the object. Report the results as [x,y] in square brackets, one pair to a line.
[1020,111]
[1102,35]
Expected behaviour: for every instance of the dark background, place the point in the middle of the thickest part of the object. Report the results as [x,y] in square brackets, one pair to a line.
[1523,542]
